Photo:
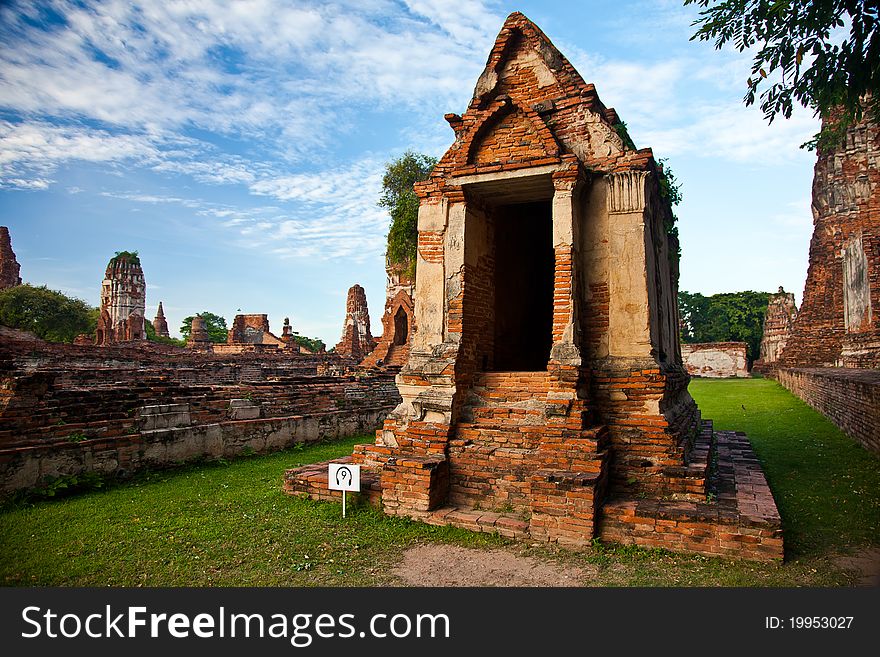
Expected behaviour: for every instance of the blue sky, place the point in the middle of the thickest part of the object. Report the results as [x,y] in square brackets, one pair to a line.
[239,146]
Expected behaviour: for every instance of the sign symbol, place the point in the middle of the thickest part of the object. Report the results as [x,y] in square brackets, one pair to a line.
[343,477]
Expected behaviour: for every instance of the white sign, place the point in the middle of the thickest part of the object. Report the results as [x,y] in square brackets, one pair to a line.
[344,476]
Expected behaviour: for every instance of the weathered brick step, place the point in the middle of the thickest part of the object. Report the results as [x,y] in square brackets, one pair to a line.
[507,414]
[310,481]
[509,525]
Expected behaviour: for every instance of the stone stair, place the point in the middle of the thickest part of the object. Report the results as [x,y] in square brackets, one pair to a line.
[507,456]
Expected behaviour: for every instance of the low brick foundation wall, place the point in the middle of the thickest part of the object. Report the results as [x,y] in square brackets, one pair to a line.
[739,519]
[34,465]
[848,397]
[716,360]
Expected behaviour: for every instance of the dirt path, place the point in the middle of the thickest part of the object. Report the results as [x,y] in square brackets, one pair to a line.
[448,565]
[866,563]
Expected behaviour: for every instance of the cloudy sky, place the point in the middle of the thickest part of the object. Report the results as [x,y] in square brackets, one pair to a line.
[239,145]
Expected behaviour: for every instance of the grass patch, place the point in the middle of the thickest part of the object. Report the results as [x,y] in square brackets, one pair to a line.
[827,486]
[229,524]
[220,524]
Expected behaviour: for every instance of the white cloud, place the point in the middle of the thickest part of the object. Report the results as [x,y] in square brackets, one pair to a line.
[30,152]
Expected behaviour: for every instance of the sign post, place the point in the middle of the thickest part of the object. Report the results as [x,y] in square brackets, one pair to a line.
[344,477]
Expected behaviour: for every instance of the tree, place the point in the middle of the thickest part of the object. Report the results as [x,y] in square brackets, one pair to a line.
[152,336]
[402,204]
[215,325]
[726,317]
[315,345]
[804,55]
[48,314]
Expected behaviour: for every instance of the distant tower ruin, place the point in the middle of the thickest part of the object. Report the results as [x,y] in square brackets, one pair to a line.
[397,321]
[160,324]
[123,298]
[9,267]
[778,321]
[198,335]
[356,341]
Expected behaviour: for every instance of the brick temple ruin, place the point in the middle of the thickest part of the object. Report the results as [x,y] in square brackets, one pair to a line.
[112,410]
[831,358]
[544,394]
[356,341]
[123,299]
[716,360]
[10,270]
[392,348]
[778,324]
[249,334]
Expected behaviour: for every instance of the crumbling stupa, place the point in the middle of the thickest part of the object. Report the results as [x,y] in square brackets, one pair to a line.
[160,324]
[397,321]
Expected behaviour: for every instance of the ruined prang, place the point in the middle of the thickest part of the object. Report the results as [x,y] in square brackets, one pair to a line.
[9,267]
[159,324]
[839,320]
[198,335]
[356,341]
[123,297]
[778,321]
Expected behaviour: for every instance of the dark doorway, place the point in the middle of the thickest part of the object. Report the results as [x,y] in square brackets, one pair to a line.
[524,263]
[401,326]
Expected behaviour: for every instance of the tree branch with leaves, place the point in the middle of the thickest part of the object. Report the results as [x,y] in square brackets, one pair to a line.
[822,54]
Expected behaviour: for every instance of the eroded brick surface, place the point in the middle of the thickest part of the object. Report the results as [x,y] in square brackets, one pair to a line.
[778,324]
[392,348]
[839,320]
[69,409]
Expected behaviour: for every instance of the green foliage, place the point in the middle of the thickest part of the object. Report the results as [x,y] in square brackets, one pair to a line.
[49,314]
[623,133]
[215,325]
[130,257]
[77,437]
[312,344]
[402,204]
[670,190]
[726,317]
[803,54]
[152,336]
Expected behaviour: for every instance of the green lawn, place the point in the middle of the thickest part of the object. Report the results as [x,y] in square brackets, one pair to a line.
[229,524]
[826,486]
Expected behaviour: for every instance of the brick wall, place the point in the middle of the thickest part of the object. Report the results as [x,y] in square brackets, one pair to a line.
[716,359]
[66,409]
[850,398]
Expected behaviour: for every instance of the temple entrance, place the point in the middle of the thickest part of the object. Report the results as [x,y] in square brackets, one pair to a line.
[524,263]
[401,327]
